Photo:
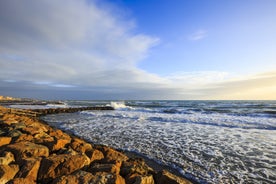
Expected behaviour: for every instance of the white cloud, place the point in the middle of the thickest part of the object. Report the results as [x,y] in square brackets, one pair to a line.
[48,47]
[69,42]
[198,35]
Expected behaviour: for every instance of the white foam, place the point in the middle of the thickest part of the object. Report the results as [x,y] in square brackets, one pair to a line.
[216,148]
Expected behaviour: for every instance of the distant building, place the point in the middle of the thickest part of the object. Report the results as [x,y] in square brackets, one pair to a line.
[8,98]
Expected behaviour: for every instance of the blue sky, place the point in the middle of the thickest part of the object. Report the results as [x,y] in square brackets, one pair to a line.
[123,49]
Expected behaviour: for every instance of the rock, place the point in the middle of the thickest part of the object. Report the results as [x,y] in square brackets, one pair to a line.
[43,138]
[32,130]
[77,177]
[22,181]
[24,137]
[139,179]
[165,177]
[14,133]
[25,149]
[107,178]
[5,140]
[135,166]
[110,168]
[29,168]
[7,158]
[80,145]
[57,165]
[60,140]
[7,172]
[94,155]
[111,155]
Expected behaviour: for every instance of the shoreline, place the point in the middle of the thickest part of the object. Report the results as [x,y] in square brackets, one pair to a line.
[32,151]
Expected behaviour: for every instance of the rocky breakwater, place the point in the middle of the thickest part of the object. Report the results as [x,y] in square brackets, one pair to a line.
[34,152]
[41,112]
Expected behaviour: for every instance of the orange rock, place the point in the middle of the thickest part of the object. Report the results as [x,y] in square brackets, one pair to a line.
[24,137]
[22,181]
[57,165]
[107,178]
[164,177]
[27,149]
[7,158]
[29,168]
[80,145]
[43,138]
[94,155]
[110,168]
[60,140]
[135,166]
[7,172]
[75,178]
[5,140]
[112,155]
[139,179]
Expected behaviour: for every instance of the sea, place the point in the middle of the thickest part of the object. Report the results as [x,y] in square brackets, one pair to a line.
[205,141]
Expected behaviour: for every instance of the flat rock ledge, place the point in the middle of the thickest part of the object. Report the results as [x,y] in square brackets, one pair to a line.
[33,152]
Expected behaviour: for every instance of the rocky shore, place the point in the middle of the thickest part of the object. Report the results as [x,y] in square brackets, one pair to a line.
[33,152]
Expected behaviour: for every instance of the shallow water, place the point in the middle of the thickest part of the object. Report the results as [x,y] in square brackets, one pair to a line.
[211,142]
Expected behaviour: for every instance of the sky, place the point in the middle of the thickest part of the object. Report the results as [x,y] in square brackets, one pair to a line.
[140,50]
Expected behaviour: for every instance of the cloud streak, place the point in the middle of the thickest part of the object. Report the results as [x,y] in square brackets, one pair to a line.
[198,35]
[75,49]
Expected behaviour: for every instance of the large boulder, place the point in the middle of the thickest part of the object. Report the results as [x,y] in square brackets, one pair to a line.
[80,145]
[57,165]
[7,172]
[94,155]
[111,155]
[61,139]
[26,149]
[135,166]
[75,178]
[107,178]
[29,168]
[139,179]
[110,168]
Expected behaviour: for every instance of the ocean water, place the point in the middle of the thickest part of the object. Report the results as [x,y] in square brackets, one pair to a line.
[207,141]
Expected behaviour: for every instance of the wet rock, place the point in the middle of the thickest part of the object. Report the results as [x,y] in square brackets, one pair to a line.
[80,145]
[58,165]
[139,179]
[29,168]
[27,149]
[7,172]
[75,178]
[5,140]
[110,168]
[6,158]
[94,155]
[165,177]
